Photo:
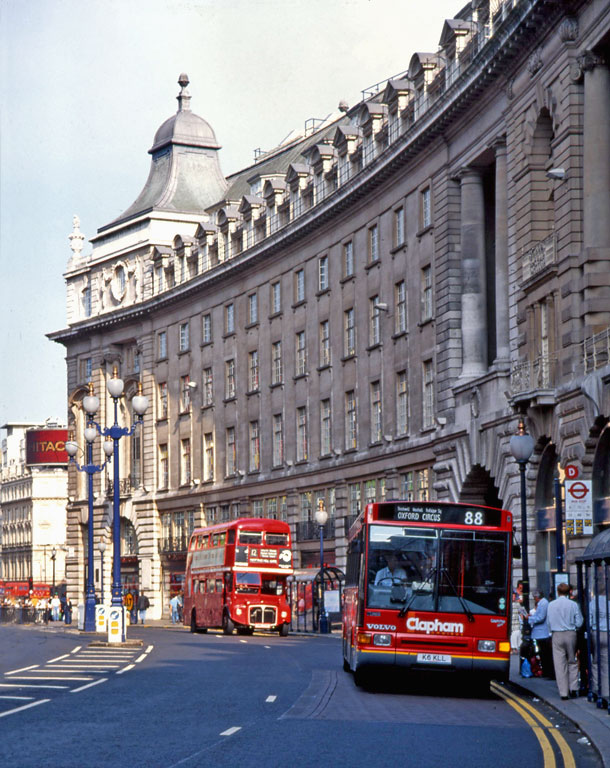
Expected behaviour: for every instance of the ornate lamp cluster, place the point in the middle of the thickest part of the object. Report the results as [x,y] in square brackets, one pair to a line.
[110,446]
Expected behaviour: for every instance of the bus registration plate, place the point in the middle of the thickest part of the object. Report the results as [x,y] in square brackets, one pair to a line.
[433,658]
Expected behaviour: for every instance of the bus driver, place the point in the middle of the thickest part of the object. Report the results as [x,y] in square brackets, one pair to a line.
[392,573]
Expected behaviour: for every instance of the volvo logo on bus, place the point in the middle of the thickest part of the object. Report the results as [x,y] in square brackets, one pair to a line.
[415,624]
[382,627]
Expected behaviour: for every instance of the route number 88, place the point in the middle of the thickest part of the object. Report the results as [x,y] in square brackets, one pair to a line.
[473,518]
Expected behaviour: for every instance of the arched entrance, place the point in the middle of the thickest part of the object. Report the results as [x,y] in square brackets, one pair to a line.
[479,488]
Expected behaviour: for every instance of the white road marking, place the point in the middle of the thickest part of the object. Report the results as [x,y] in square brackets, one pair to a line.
[140,658]
[243,641]
[24,685]
[25,706]
[271,699]
[149,649]
[74,650]
[231,731]
[51,678]
[59,658]
[266,646]
[125,669]
[89,685]
[19,698]
[23,669]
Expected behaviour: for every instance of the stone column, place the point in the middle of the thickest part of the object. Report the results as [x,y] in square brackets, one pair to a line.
[596,162]
[474,298]
[501,254]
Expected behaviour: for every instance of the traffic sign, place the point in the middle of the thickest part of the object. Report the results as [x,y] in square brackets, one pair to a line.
[578,490]
[579,507]
[571,471]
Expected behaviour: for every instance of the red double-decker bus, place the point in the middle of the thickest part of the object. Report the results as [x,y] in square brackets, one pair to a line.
[236,577]
[428,588]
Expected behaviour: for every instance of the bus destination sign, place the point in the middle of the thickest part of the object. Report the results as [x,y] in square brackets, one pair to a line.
[452,514]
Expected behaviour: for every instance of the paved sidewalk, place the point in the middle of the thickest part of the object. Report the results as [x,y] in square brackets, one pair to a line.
[593,722]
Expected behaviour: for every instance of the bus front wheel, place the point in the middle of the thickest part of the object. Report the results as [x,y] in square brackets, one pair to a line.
[193,622]
[227,625]
[284,629]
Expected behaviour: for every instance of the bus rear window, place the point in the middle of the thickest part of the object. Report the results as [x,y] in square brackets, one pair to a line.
[250,537]
[277,539]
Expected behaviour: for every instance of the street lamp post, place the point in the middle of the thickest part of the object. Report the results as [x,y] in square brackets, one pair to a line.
[91,404]
[53,556]
[321,516]
[522,447]
[101,546]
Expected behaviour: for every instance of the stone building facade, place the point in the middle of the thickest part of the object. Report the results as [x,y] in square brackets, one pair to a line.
[367,310]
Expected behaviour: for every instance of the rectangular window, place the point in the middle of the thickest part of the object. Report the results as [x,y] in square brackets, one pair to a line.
[162,400]
[160,279]
[253,308]
[300,354]
[87,301]
[374,322]
[162,345]
[185,461]
[349,342]
[253,379]
[302,434]
[426,208]
[208,387]
[376,424]
[276,298]
[163,466]
[278,440]
[185,394]
[254,462]
[276,363]
[86,369]
[257,508]
[272,508]
[323,273]
[399,226]
[229,379]
[230,318]
[402,403]
[400,307]
[299,286]
[370,491]
[206,322]
[428,394]
[351,433]
[208,456]
[348,259]
[184,337]
[231,452]
[325,428]
[355,506]
[373,243]
[324,343]
[415,485]
[426,293]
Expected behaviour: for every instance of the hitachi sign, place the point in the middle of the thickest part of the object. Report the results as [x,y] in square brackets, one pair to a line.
[415,624]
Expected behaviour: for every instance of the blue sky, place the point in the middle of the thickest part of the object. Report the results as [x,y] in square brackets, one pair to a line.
[86,83]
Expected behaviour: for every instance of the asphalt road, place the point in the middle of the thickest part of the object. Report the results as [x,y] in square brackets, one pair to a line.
[262,701]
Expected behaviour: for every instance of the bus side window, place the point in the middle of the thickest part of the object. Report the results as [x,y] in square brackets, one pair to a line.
[205,542]
[211,586]
[353,562]
[231,536]
[219,585]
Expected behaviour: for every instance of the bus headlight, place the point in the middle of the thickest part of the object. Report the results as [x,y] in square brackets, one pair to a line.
[238,611]
[283,614]
[487,646]
[382,639]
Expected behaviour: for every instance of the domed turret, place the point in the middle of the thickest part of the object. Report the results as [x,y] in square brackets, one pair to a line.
[185,173]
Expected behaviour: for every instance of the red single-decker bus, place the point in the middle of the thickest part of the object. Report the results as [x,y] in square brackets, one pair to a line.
[236,577]
[428,588]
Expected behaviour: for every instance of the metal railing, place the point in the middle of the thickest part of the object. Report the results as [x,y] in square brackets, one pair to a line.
[125,486]
[530,375]
[596,351]
[540,256]
[309,530]
[172,544]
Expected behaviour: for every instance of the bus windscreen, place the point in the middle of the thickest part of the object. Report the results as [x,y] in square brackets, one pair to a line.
[427,569]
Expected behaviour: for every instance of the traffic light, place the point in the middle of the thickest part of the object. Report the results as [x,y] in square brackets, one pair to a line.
[31,585]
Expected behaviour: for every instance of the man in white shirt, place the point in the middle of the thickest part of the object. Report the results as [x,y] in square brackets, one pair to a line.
[564,618]
[392,572]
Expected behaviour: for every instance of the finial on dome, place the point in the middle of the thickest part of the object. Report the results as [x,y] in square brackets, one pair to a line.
[184,97]
[76,237]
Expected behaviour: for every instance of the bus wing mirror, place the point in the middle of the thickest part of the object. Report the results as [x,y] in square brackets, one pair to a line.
[516,551]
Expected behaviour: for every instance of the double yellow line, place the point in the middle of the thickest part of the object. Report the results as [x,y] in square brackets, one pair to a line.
[541,727]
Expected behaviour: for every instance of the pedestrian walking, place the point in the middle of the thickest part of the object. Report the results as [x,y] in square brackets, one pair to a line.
[564,618]
[68,611]
[143,605]
[542,634]
[175,609]
[55,606]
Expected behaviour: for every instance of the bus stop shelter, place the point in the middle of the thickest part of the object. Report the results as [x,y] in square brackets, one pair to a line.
[305,597]
[593,585]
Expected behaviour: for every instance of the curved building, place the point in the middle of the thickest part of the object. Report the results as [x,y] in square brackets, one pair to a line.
[368,310]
